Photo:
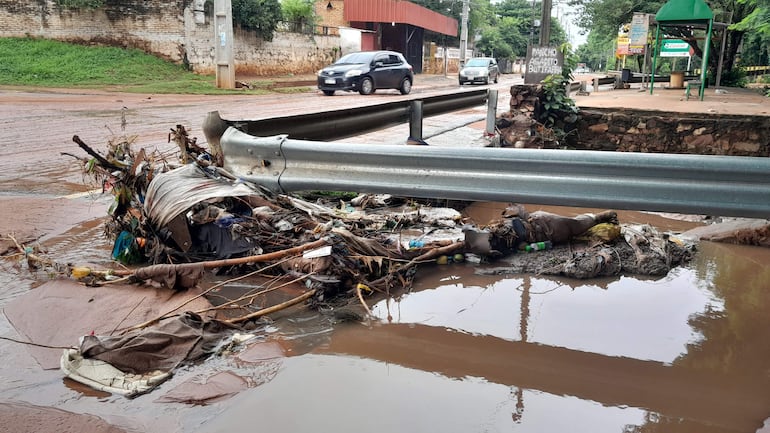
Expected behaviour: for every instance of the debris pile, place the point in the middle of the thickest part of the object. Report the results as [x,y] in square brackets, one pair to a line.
[171,222]
[198,216]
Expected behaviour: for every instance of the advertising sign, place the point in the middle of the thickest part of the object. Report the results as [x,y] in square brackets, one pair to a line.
[675,48]
[637,35]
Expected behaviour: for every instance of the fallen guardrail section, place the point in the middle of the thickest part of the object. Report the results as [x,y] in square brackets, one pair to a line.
[693,184]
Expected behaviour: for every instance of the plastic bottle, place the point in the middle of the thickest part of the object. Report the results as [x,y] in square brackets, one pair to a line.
[416,243]
[538,246]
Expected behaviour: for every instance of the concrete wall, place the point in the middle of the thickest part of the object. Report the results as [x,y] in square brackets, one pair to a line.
[170,29]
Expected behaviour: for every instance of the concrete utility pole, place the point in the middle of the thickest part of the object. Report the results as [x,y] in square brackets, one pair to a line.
[223,44]
[464,33]
[545,23]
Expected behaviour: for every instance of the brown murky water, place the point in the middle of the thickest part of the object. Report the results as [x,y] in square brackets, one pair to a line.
[461,352]
[684,353]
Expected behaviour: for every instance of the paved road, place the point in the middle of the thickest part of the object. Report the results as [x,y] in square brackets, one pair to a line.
[38,125]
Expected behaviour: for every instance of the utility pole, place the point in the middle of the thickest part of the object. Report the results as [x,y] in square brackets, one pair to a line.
[223,44]
[545,23]
[464,33]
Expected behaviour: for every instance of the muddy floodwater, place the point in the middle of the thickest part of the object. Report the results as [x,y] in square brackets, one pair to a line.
[461,352]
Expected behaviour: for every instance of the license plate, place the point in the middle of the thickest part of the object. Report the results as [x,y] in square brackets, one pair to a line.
[330,81]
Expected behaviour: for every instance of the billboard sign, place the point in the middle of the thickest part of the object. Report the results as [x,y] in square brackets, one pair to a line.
[637,35]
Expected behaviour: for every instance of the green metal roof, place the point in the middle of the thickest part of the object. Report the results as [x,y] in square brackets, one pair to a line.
[684,11]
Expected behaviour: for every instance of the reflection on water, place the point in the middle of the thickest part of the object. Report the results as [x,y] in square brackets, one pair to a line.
[642,319]
[350,394]
[684,353]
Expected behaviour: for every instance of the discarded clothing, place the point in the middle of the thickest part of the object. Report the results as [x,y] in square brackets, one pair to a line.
[102,376]
[184,339]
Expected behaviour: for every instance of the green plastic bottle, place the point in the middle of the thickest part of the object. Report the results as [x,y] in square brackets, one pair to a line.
[538,246]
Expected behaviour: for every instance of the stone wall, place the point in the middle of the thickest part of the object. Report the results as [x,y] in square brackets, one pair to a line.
[170,29]
[663,132]
[629,130]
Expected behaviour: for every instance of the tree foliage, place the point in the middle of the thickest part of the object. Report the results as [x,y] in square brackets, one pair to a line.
[603,18]
[258,16]
[80,4]
[298,12]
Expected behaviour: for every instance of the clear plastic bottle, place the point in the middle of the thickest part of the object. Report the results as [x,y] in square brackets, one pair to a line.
[538,246]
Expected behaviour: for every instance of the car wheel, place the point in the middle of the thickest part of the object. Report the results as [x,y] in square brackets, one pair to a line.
[406,86]
[486,80]
[461,82]
[328,92]
[367,86]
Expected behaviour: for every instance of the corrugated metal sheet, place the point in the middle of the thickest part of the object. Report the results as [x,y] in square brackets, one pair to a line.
[399,11]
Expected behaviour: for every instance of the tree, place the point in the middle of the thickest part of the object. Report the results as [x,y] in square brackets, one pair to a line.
[598,52]
[298,12]
[605,16]
[756,40]
[258,16]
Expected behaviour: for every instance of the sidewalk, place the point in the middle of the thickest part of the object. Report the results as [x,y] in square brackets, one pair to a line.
[726,101]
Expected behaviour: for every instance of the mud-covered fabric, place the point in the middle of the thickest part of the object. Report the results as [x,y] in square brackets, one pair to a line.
[184,339]
[175,277]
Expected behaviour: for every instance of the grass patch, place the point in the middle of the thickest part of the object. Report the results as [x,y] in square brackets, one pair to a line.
[47,63]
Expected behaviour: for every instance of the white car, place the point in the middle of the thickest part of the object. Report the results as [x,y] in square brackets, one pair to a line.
[479,70]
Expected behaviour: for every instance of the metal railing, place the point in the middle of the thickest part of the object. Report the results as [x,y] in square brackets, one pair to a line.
[338,124]
[694,184]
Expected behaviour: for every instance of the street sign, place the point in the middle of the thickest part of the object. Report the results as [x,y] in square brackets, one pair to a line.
[542,61]
[675,48]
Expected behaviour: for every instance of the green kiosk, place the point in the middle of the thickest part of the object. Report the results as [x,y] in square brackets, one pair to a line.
[692,14]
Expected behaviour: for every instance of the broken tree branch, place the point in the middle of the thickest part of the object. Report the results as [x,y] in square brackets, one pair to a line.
[275,308]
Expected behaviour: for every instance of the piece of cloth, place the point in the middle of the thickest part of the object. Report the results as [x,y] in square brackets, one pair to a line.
[184,339]
[176,277]
[60,311]
[102,376]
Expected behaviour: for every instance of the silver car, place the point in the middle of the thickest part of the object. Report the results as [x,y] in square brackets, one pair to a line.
[479,70]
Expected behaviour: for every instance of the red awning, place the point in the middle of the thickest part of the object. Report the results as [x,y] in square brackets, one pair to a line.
[399,11]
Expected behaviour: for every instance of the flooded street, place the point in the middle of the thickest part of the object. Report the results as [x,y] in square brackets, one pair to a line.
[462,351]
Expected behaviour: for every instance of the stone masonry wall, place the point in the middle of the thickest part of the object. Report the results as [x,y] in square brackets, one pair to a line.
[170,29]
[628,130]
[662,132]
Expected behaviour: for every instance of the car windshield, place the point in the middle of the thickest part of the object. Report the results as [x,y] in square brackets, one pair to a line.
[477,62]
[356,58]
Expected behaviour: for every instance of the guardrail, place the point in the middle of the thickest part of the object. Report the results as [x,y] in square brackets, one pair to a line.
[693,184]
[338,124]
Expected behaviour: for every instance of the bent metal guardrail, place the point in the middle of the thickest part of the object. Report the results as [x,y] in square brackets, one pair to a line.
[693,184]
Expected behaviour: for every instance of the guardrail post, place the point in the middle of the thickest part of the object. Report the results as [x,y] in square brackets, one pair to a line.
[491,112]
[596,84]
[415,120]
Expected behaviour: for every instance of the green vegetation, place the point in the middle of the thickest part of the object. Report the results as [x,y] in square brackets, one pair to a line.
[258,16]
[504,27]
[46,63]
[80,4]
[299,13]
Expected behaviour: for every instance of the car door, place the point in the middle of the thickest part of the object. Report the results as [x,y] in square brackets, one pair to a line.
[493,70]
[380,71]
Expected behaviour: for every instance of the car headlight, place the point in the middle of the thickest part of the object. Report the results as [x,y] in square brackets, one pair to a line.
[353,73]
[320,71]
